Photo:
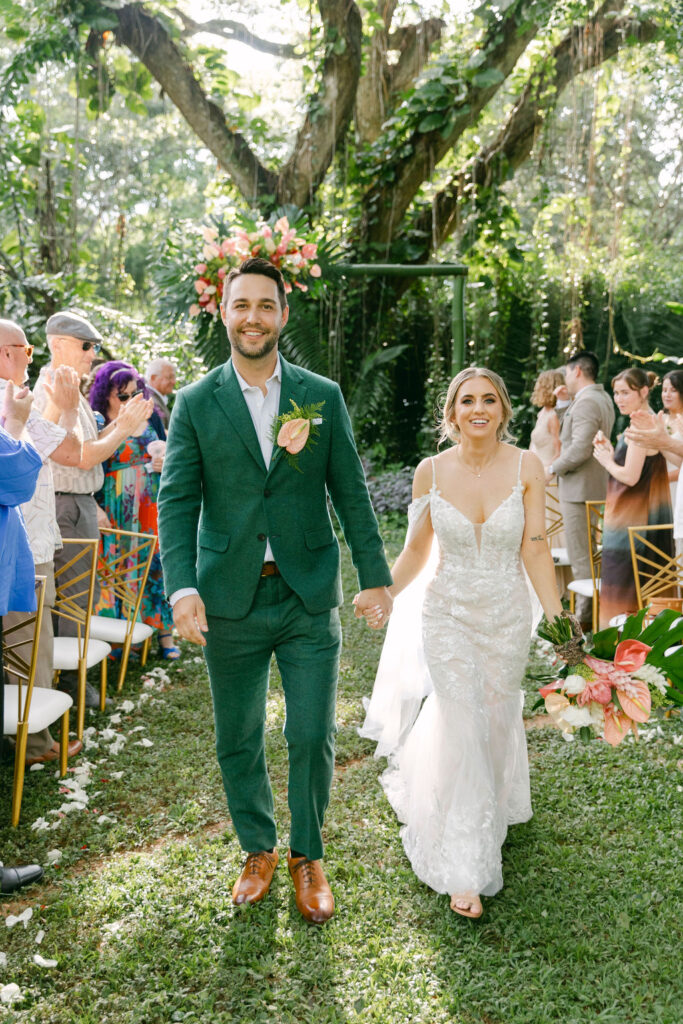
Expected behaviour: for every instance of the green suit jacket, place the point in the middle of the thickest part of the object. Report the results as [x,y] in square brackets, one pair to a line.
[218,502]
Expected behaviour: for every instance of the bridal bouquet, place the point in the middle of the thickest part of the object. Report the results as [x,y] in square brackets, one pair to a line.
[611,689]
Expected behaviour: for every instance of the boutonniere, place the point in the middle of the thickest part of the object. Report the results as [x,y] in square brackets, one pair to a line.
[297,430]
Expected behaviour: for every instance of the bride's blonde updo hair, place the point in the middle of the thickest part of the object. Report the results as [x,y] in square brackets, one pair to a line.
[448,431]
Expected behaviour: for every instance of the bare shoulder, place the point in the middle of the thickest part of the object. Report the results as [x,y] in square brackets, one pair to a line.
[532,468]
[422,480]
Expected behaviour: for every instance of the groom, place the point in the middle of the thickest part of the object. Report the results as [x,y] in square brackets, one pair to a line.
[251,564]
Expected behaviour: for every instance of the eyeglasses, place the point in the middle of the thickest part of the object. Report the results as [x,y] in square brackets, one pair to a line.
[27,348]
[94,345]
[123,396]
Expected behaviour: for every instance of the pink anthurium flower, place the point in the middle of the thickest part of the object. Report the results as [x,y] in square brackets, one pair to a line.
[293,435]
[630,655]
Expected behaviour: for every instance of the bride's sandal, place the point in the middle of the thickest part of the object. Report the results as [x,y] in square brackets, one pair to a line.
[471,904]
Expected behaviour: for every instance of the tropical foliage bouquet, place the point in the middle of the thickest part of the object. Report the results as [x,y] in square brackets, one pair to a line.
[609,690]
[292,252]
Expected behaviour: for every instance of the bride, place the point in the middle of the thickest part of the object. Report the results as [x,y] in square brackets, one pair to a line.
[458,770]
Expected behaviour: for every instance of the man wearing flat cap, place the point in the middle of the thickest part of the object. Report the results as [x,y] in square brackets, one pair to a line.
[74,342]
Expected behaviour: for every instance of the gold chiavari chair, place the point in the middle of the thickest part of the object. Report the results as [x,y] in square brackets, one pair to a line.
[74,603]
[657,573]
[29,709]
[123,570]
[595,511]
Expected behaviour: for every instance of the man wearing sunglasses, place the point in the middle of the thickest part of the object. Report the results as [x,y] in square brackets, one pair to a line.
[74,343]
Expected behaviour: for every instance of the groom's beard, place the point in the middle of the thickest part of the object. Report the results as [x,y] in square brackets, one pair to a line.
[268,343]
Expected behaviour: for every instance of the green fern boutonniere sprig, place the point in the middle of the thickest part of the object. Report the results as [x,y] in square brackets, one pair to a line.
[297,430]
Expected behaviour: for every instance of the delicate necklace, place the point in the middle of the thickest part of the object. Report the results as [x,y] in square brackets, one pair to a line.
[485,466]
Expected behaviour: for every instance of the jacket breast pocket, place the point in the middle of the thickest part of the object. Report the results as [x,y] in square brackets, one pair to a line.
[214,540]
[319,538]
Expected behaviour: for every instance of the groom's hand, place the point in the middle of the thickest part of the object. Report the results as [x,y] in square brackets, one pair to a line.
[375,604]
[189,616]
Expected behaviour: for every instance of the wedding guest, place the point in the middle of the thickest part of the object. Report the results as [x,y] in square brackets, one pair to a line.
[128,496]
[56,442]
[580,478]
[672,400]
[20,465]
[637,495]
[650,432]
[545,437]
[160,376]
[74,343]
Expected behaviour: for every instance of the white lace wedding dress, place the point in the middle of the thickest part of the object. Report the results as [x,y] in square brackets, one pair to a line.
[458,770]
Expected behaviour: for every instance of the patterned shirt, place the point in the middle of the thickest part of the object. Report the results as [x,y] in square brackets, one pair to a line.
[39,511]
[71,479]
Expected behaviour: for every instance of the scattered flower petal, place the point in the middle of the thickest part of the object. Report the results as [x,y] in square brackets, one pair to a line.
[10,993]
[22,918]
[42,962]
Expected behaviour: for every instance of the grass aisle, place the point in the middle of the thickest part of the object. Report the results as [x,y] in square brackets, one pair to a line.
[137,911]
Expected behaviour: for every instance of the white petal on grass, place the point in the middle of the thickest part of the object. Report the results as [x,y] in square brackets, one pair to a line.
[115,719]
[144,742]
[127,706]
[39,937]
[37,768]
[10,993]
[138,728]
[3,959]
[54,856]
[104,819]
[42,962]
[39,825]
[115,775]
[22,918]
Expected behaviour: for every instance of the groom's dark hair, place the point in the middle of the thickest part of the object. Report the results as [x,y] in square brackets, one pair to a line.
[587,362]
[256,265]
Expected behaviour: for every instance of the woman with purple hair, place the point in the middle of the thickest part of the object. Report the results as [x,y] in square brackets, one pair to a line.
[131,483]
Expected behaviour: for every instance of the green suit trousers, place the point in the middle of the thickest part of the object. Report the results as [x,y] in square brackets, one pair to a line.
[238,654]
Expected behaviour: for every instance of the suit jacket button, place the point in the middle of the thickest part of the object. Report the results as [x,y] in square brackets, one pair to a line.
[267,493]
[261,536]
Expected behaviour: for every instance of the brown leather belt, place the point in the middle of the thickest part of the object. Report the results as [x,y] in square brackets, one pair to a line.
[269,569]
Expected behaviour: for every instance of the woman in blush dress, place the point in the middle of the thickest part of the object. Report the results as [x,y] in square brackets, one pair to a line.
[545,437]
[458,772]
[131,483]
[637,495]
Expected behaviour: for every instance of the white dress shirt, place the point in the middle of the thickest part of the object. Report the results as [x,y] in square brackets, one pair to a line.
[263,409]
[39,511]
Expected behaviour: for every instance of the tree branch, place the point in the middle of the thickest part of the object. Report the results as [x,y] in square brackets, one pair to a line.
[238,33]
[330,108]
[386,203]
[598,40]
[147,38]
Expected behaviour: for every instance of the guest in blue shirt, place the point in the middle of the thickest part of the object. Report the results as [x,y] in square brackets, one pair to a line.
[19,467]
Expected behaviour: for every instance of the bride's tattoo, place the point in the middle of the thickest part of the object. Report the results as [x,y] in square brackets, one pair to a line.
[539,537]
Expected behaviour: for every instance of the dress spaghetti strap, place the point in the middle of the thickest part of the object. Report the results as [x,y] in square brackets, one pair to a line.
[519,467]
[431,459]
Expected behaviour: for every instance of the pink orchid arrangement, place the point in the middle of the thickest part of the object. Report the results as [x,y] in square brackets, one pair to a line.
[284,247]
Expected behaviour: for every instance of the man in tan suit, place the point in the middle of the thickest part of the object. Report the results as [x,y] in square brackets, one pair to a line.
[580,477]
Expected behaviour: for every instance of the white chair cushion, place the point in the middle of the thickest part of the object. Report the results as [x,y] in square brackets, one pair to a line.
[582,587]
[47,706]
[104,627]
[560,556]
[65,655]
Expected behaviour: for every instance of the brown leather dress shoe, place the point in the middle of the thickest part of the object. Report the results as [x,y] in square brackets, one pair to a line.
[312,892]
[257,874]
[75,747]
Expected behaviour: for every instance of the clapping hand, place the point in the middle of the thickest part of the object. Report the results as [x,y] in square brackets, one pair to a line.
[63,392]
[374,605]
[647,430]
[16,409]
[602,449]
[134,415]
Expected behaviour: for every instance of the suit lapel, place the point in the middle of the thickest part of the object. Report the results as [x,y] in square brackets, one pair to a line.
[293,387]
[229,396]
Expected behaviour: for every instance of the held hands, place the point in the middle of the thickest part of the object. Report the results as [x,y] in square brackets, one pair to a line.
[375,605]
[16,409]
[189,617]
